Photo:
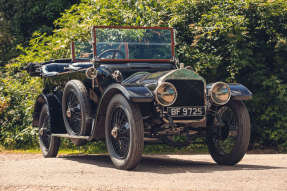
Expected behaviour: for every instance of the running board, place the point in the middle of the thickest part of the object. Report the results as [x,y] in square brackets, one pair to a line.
[70,136]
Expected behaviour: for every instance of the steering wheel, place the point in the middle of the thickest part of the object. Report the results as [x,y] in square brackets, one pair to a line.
[114,51]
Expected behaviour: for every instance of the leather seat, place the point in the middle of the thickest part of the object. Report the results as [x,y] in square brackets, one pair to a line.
[127,69]
[54,68]
[82,64]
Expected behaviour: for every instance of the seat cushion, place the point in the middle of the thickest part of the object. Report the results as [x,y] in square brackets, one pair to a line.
[54,68]
[82,64]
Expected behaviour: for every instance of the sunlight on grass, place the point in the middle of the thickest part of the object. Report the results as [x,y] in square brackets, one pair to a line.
[100,149]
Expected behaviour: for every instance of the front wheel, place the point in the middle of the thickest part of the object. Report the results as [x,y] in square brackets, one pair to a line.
[49,145]
[124,133]
[229,137]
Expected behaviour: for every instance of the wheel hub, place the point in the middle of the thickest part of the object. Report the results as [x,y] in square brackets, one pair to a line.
[68,113]
[114,132]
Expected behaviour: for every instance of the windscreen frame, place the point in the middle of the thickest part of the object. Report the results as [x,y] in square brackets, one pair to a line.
[133,60]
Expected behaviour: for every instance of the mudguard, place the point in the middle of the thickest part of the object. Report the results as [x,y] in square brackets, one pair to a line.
[136,94]
[40,101]
[238,91]
[132,93]
[55,111]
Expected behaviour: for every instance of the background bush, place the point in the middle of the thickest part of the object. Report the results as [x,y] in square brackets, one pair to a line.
[19,19]
[227,40]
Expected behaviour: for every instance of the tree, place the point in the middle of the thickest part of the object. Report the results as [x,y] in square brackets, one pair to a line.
[20,18]
[6,41]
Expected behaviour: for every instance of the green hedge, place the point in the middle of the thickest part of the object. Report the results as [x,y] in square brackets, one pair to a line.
[234,41]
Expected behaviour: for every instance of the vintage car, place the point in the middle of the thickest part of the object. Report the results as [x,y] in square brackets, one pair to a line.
[126,86]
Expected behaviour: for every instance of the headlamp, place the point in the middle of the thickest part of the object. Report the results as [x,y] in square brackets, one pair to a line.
[220,93]
[165,94]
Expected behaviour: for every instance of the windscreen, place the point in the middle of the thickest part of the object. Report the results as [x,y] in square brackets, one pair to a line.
[83,50]
[133,43]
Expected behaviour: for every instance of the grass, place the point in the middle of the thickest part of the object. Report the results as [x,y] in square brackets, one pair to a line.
[38,151]
[99,147]
[93,148]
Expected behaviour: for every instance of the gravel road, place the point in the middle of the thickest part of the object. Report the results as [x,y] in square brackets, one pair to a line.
[155,173]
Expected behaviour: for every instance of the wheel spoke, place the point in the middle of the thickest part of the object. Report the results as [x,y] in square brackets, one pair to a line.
[76,115]
[45,134]
[226,139]
[116,120]
[121,139]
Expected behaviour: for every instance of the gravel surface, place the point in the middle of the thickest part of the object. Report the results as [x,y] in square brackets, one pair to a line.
[23,172]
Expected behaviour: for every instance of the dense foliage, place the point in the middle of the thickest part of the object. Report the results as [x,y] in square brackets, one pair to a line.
[20,18]
[6,41]
[235,41]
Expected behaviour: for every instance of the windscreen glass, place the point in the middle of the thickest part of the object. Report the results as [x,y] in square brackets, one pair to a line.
[121,43]
[83,50]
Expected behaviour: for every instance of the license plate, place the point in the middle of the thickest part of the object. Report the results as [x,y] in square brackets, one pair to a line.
[185,111]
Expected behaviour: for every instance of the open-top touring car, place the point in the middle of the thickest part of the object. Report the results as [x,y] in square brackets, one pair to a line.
[125,85]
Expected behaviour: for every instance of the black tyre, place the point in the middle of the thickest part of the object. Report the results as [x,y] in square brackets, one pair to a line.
[49,145]
[228,142]
[76,110]
[124,133]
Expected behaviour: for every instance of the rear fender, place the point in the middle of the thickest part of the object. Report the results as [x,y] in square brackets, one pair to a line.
[55,110]
[40,101]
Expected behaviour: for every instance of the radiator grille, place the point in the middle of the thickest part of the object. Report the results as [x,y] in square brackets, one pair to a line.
[190,93]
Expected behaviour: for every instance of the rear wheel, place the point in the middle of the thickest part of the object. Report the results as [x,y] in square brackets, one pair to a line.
[124,133]
[76,110]
[228,140]
[49,145]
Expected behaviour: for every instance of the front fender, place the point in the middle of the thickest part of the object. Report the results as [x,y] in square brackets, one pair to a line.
[238,91]
[136,94]
[132,93]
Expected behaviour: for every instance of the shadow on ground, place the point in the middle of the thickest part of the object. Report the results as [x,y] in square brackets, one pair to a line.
[165,164]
